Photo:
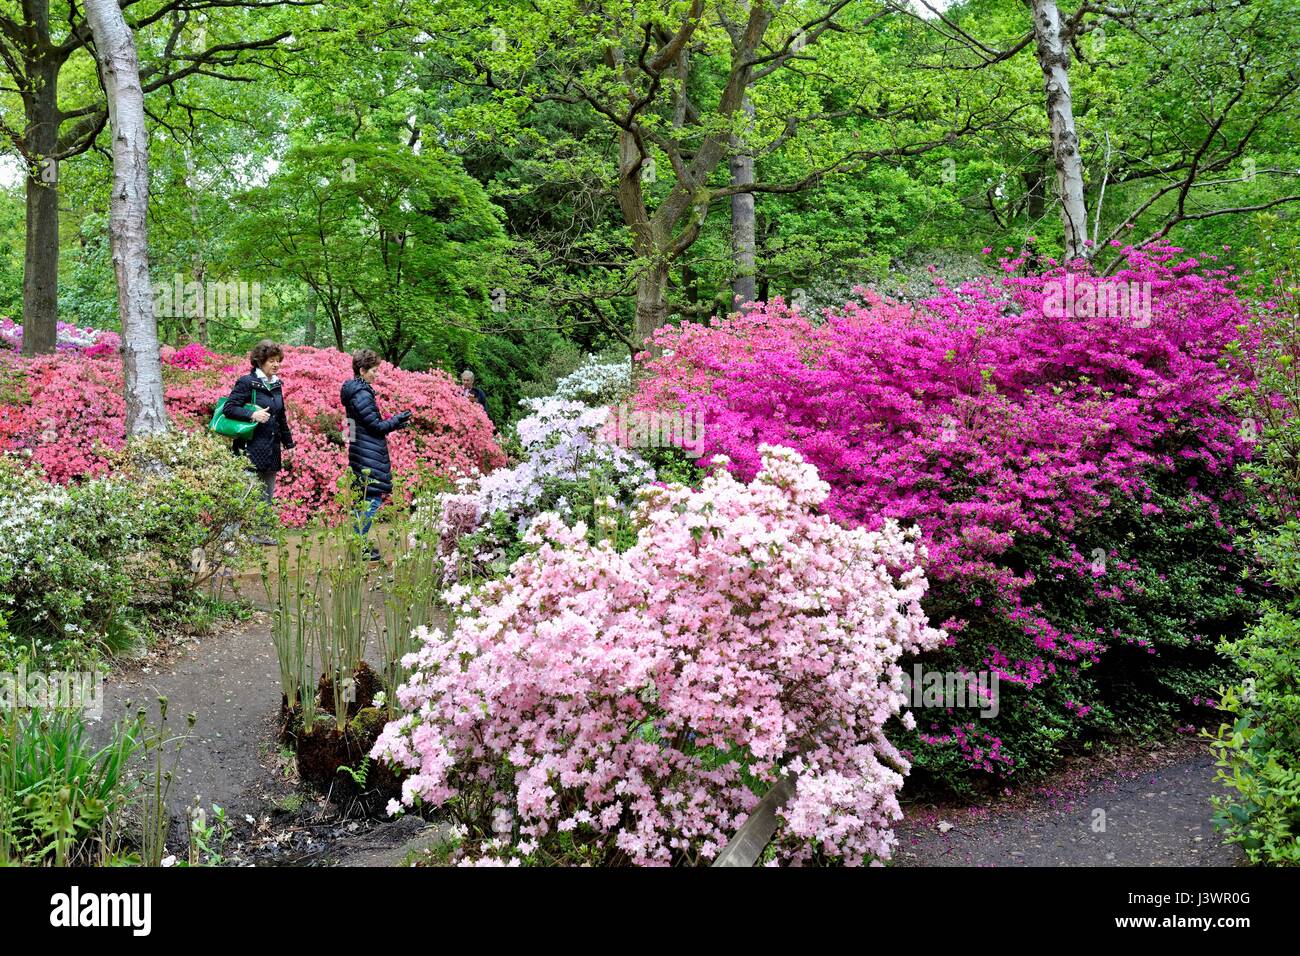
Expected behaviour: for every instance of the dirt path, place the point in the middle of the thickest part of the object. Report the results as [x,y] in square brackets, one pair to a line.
[1156,813]
[232,759]
[230,681]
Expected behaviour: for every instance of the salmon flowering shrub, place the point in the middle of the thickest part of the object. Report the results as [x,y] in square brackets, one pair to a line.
[606,706]
[69,415]
[1070,468]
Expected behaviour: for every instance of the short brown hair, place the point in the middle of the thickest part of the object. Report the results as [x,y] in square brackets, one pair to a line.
[363,359]
[264,350]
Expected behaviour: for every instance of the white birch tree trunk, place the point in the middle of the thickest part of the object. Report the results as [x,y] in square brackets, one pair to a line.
[119,70]
[1054,59]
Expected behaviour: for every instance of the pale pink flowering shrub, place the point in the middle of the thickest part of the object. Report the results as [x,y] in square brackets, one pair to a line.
[68,338]
[606,707]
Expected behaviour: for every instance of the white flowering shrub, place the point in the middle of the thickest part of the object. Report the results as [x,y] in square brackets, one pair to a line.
[82,566]
[567,467]
[197,509]
[64,585]
[599,380]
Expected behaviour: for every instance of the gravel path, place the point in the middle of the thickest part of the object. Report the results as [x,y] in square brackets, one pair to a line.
[1145,816]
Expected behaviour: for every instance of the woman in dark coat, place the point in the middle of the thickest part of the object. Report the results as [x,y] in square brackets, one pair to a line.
[261,387]
[372,470]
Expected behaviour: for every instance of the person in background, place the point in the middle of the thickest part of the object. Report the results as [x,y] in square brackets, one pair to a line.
[261,387]
[468,389]
[372,470]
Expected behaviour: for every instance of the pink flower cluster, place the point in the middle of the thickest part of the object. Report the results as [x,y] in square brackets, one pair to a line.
[76,413]
[987,415]
[615,698]
[192,357]
[69,338]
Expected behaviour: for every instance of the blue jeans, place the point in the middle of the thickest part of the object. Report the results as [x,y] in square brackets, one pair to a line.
[363,520]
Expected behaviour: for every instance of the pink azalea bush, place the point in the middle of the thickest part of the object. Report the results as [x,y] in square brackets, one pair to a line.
[71,416]
[192,357]
[1038,449]
[69,337]
[74,414]
[610,707]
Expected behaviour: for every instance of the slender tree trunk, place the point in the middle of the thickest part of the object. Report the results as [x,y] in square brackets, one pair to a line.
[690,285]
[1036,201]
[119,70]
[743,223]
[309,327]
[41,258]
[647,241]
[1054,59]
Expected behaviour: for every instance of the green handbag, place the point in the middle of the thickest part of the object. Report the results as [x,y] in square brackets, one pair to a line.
[231,427]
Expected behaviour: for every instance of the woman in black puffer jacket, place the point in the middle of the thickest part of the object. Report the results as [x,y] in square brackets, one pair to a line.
[372,471]
[261,387]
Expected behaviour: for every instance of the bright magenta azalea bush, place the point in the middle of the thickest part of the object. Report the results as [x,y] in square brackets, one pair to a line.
[1070,469]
[607,707]
[67,411]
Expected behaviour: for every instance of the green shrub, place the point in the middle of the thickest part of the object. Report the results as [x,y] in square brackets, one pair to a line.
[83,568]
[195,511]
[64,583]
[1183,593]
[1259,752]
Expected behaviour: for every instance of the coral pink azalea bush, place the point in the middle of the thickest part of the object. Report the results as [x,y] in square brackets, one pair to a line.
[1070,469]
[624,707]
[68,413]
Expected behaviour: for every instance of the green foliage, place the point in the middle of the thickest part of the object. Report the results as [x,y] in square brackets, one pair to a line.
[84,568]
[208,838]
[674,465]
[64,579]
[59,794]
[1258,751]
[11,253]
[406,242]
[197,512]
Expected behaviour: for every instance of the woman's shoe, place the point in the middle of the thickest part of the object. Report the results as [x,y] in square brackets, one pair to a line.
[372,554]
